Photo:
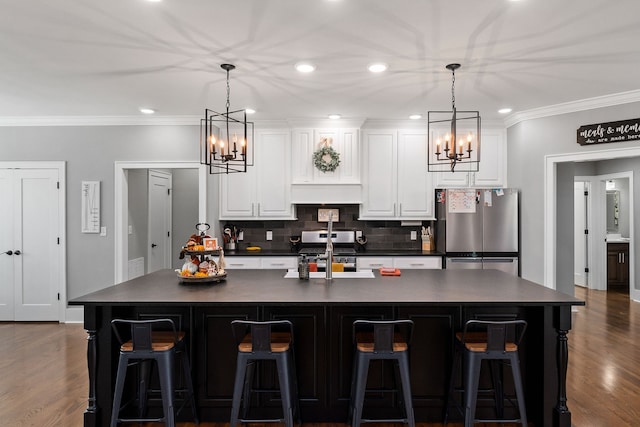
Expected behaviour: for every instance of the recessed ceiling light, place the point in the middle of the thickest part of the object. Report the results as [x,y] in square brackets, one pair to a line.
[378,67]
[147,111]
[154,1]
[504,110]
[249,110]
[415,116]
[334,116]
[305,67]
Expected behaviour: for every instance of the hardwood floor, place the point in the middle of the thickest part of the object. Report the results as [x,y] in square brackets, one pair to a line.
[43,377]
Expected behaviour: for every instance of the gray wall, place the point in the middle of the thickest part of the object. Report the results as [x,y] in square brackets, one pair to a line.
[528,144]
[90,153]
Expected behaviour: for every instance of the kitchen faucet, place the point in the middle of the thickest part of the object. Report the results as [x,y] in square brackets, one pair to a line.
[328,254]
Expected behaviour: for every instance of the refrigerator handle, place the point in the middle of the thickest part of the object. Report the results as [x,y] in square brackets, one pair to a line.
[498,260]
[467,260]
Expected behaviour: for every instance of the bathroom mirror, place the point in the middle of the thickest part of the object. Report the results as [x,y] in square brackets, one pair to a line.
[613,210]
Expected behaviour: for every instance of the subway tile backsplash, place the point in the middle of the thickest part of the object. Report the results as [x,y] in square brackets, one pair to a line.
[380,235]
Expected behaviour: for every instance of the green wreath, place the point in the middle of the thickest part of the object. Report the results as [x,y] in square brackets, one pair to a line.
[324,165]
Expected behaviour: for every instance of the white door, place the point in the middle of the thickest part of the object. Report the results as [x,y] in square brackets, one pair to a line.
[30,275]
[159,241]
[580,238]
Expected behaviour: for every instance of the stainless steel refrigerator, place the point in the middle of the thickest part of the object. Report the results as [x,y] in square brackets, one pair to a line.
[478,228]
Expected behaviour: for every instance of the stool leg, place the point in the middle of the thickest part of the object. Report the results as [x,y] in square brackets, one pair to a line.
[144,371]
[117,396]
[495,366]
[294,386]
[167,389]
[186,369]
[471,379]
[241,367]
[362,370]
[285,389]
[517,380]
[452,381]
[403,364]
[248,385]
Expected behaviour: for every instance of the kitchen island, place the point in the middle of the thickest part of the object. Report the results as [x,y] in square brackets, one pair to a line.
[438,301]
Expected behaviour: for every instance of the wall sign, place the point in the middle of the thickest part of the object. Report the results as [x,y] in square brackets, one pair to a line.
[600,133]
[90,206]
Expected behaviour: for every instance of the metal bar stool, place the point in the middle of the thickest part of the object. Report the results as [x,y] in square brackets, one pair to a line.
[381,340]
[151,340]
[271,340]
[488,340]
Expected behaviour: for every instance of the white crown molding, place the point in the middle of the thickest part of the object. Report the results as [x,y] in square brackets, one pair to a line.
[574,106]
[100,121]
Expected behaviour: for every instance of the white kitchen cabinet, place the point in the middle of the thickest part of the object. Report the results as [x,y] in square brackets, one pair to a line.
[396,183]
[258,262]
[264,191]
[418,262]
[406,262]
[242,262]
[345,141]
[280,262]
[493,167]
[372,263]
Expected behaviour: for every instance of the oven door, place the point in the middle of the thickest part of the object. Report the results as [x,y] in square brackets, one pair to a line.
[349,263]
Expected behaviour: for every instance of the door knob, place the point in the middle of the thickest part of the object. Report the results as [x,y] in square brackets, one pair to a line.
[9,252]
[17,252]
[153,245]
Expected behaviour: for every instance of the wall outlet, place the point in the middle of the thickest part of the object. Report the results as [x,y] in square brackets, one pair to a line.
[358,233]
[269,235]
[241,235]
[131,229]
[414,235]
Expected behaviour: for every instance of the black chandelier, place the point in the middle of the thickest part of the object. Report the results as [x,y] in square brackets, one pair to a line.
[226,139]
[445,128]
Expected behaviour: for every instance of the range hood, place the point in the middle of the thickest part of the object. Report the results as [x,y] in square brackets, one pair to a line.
[326,193]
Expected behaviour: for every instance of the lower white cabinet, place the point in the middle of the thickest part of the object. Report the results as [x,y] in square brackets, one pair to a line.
[418,262]
[257,262]
[406,262]
[371,263]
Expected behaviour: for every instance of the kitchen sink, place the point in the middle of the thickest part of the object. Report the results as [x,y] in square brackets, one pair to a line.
[362,274]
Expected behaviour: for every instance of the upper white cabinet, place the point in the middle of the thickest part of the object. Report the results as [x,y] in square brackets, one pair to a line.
[264,191]
[396,183]
[345,141]
[493,165]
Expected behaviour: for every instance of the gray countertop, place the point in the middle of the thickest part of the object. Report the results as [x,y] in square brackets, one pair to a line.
[264,287]
[389,252]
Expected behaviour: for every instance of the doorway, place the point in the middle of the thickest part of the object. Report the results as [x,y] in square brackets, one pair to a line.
[32,236]
[597,252]
[128,233]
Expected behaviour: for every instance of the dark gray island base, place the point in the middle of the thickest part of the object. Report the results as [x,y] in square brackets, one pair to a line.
[438,301]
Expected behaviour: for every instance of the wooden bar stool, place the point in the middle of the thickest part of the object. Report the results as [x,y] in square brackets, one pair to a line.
[151,340]
[488,340]
[381,340]
[257,341]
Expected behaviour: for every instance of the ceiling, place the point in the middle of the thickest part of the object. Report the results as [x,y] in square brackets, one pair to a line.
[90,58]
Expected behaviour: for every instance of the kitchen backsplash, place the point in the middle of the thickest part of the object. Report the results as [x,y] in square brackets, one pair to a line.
[380,235]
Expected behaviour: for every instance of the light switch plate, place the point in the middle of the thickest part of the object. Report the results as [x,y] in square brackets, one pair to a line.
[241,235]
[269,235]
[103,231]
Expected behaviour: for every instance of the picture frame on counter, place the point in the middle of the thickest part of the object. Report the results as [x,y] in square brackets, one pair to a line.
[323,214]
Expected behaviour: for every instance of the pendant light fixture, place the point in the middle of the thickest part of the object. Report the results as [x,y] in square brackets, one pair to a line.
[226,139]
[453,136]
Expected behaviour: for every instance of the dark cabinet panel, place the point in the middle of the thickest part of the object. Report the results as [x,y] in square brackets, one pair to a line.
[618,266]
[310,352]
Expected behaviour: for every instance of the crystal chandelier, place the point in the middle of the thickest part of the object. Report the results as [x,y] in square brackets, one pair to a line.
[446,128]
[226,139]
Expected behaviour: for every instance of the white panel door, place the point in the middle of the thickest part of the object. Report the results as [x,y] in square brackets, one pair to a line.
[30,232]
[159,238]
[6,245]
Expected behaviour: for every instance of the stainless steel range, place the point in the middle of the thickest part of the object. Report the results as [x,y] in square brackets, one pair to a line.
[313,245]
